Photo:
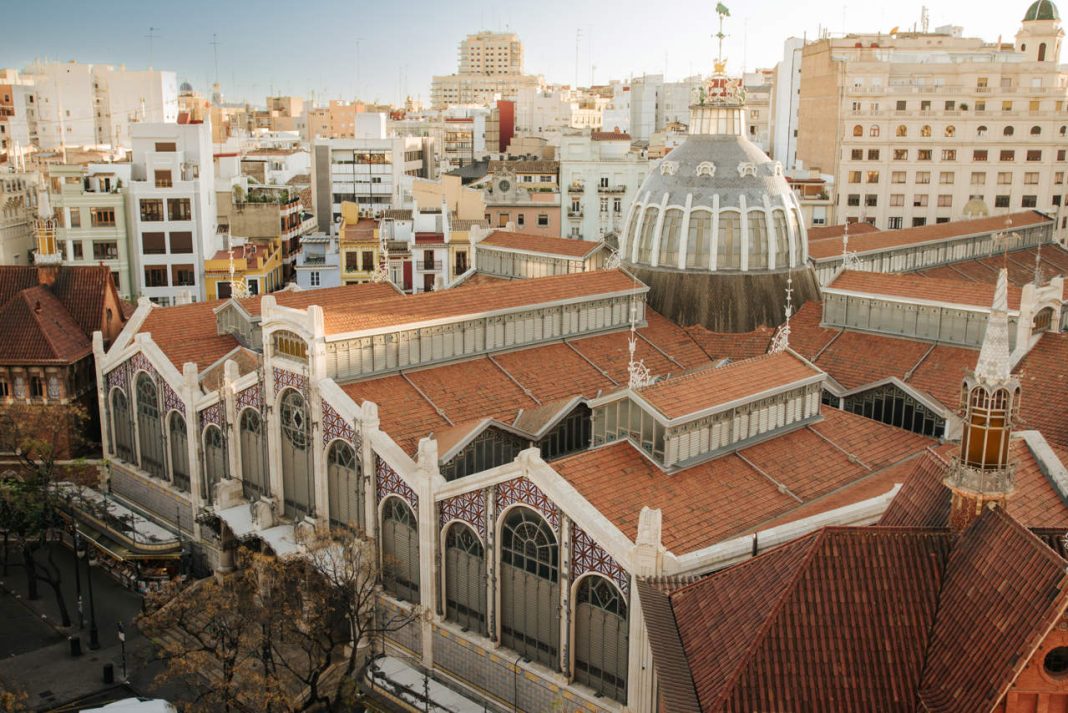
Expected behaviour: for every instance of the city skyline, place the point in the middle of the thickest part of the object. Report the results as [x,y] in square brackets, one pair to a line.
[756,32]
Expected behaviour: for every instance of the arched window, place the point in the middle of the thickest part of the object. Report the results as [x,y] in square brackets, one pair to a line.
[981,131]
[699,239]
[530,587]
[215,463]
[925,130]
[858,130]
[669,238]
[122,445]
[1008,131]
[290,345]
[1064,131]
[465,578]
[1042,52]
[400,550]
[296,456]
[344,486]
[601,630]
[729,245]
[645,245]
[149,428]
[782,239]
[1036,131]
[951,131]
[902,130]
[758,240]
[873,131]
[255,476]
[179,452]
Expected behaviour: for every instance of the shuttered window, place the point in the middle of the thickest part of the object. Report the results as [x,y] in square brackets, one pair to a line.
[149,429]
[296,456]
[120,414]
[400,550]
[255,479]
[343,484]
[215,465]
[601,631]
[530,588]
[179,452]
[465,578]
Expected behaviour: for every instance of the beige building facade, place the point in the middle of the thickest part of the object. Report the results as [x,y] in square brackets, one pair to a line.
[490,67]
[920,128]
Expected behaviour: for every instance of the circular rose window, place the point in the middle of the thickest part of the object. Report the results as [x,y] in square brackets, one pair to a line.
[1056,662]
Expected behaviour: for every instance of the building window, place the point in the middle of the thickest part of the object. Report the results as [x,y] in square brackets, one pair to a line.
[902,130]
[313,278]
[923,177]
[917,222]
[945,201]
[925,131]
[601,635]
[1029,202]
[979,155]
[923,155]
[873,176]
[901,154]
[978,179]
[873,131]
[853,199]
[1034,155]
[105,250]
[945,178]
[1008,155]
[149,427]
[183,275]
[1036,131]
[873,154]
[289,345]
[854,176]
[858,130]
[75,217]
[1001,201]
[296,456]
[76,250]
[949,154]
[181,243]
[155,276]
[1007,106]
[153,244]
[893,223]
[530,587]
[152,209]
[857,154]
[163,179]
[897,200]
[897,177]
[950,131]
[919,200]
[400,550]
[367,258]
[1008,131]
[100,217]
[37,390]
[521,219]
[981,131]
[1031,178]
[344,488]
[166,147]
[179,209]
[871,200]
[465,578]
[543,219]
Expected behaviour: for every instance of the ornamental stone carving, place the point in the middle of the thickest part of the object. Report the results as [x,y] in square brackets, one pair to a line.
[669,168]
[706,168]
[746,168]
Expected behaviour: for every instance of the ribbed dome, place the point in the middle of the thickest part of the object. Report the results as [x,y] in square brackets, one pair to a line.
[1042,10]
[716,203]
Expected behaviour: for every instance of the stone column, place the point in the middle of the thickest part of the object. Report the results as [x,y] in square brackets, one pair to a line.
[565,594]
[367,425]
[233,440]
[427,469]
[101,394]
[189,392]
[317,371]
[647,556]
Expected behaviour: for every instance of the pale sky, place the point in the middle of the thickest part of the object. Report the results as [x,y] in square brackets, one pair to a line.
[311,45]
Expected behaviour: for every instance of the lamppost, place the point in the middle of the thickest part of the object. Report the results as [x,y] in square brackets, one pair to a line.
[94,636]
[78,575]
[122,640]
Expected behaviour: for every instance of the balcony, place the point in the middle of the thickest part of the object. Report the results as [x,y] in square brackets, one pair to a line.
[576,187]
[611,189]
[574,213]
[429,265]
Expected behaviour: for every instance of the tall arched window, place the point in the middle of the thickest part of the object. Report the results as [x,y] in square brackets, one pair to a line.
[902,130]
[1064,131]
[758,240]
[400,550]
[645,245]
[215,463]
[981,131]
[951,131]
[782,239]
[296,456]
[465,578]
[669,238]
[344,486]
[1036,131]
[255,477]
[699,239]
[925,130]
[179,452]
[530,587]
[149,428]
[1042,52]
[1008,131]
[601,630]
[729,244]
[120,414]
[873,131]
[858,130]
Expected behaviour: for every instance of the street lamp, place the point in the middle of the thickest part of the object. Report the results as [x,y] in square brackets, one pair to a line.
[78,576]
[94,637]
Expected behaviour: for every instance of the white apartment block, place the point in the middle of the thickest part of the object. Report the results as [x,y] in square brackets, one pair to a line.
[599,177]
[758,91]
[18,209]
[95,105]
[924,128]
[616,116]
[366,171]
[490,67]
[171,210]
[655,103]
[786,94]
[491,53]
[89,205]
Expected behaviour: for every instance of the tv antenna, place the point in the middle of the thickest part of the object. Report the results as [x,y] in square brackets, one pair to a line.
[215,51]
[151,36]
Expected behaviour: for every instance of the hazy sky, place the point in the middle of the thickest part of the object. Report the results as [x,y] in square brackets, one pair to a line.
[302,46]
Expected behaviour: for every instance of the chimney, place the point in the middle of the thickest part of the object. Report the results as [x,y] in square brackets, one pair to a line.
[37,307]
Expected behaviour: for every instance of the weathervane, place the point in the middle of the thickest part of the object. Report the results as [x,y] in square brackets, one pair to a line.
[238,288]
[721,62]
[781,341]
[850,261]
[638,373]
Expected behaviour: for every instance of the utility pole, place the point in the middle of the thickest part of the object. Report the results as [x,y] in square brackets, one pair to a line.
[578,40]
[151,36]
[215,51]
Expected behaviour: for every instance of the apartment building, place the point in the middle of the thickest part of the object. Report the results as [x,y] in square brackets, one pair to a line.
[18,209]
[921,128]
[524,193]
[18,116]
[89,206]
[365,170]
[786,90]
[94,105]
[600,174]
[490,67]
[171,210]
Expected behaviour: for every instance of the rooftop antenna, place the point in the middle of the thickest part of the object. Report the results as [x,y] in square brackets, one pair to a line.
[925,19]
[578,39]
[781,341]
[721,61]
[215,52]
[356,87]
[151,36]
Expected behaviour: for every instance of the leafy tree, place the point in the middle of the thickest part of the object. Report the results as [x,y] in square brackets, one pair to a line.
[40,437]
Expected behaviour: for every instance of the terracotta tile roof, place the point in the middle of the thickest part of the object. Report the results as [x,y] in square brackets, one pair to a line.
[807,337]
[83,290]
[858,358]
[1003,590]
[675,690]
[960,292]
[328,298]
[462,224]
[404,414]
[553,372]
[923,500]
[560,247]
[1043,377]
[427,306]
[363,230]
[188,333]
[609,136]
[726,497]
[472,390]
[14,279]
[481,278]
[941,372]
[706,388]
[609,352]
[38,329]
[728,345]
[247,361]
[887,239]
[673,339]
[828,232]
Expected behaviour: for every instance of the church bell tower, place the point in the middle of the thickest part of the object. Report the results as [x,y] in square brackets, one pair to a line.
[981,476]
